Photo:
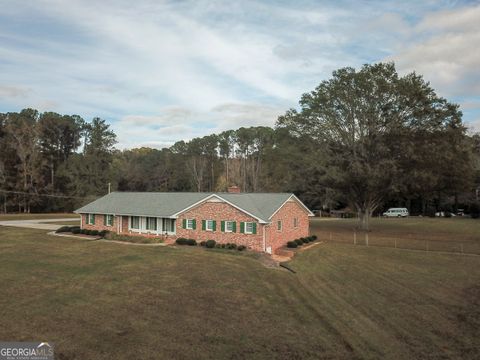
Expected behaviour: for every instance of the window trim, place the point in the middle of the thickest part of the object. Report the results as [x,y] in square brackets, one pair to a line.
[139,228]
[211,221]
[295,222]
[227,230]
[189,222]
[149,218]
[90,217]
[245,229]
[106,219]
[279,225]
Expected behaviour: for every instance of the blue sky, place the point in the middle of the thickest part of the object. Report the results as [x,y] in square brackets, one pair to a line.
[162,71]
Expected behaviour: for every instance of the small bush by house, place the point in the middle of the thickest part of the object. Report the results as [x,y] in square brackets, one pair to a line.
[133,239]
[292,244]
[241,247]
[181,241]
[210,244]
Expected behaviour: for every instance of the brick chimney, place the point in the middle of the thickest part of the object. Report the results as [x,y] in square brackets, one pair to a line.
[234,189]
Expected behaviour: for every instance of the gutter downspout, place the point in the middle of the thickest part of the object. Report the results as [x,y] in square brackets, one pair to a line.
[264,238]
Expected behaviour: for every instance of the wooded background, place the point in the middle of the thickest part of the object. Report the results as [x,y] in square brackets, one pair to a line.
[367,139]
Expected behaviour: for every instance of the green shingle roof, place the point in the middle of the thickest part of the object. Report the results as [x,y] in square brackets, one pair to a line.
[168,204]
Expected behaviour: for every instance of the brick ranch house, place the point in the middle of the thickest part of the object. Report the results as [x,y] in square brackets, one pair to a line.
[260,221]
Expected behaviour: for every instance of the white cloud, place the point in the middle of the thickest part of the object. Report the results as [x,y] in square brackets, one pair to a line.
[14,91]
[161,71]
[174,124]
[446,51]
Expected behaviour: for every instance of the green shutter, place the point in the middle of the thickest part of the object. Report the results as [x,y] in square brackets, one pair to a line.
[194,223]
[254,228]
[204,225]
[105,222]
[222,225]
[234,226]
[242,227]
[214,225]
[93,219]
[184,223]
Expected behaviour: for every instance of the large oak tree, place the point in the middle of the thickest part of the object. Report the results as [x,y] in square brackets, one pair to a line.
[370,124]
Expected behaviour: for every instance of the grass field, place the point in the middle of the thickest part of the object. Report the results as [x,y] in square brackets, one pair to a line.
[437,234]
[101,301]
[6,217]
[66,223]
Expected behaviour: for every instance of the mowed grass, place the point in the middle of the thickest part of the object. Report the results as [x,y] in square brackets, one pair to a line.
[65,223]
[435,234]
[99,300]
[8,217]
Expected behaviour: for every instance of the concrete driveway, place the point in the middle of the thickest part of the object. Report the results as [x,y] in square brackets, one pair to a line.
[42,224]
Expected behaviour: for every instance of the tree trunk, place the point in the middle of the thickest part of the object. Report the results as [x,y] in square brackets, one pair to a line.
[364,220]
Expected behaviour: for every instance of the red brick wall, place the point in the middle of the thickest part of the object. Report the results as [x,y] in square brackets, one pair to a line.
[220,211]
[99,223]
[286,214]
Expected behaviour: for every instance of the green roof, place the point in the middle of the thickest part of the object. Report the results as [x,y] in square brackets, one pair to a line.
[168,204]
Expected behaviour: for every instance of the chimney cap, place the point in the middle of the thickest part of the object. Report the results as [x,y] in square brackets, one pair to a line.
[234,189]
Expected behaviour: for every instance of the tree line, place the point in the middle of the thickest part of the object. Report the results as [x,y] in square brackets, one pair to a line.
[365,138]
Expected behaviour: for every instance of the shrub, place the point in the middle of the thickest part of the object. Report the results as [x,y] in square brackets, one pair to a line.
[133,239]
[103,233]
[231,246]
[210,244]
[222,246]
[191,242]
[292,244]
[218,246]
[182,241]
[299,242]
[241,247]
[63,229]
[314,237]
[305,240]
[203,243]
[76,231]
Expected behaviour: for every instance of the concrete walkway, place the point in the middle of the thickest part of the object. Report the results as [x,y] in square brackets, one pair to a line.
[42,224]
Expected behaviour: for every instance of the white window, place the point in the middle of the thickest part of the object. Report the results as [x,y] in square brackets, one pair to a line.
[279,225]
[249,227]
[168,225]
[229,225]
[209,225]
[108,220]
[295,222]
[91,219]
[135,222]
[189,224]
[151,224]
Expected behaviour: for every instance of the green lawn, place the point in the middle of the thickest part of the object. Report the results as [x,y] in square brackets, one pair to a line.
[439,234]
[107,301]
[65,223]
[6,217]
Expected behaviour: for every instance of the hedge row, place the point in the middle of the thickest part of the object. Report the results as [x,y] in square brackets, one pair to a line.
[184,241]
[230,246]
[299,242]
[77,230]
